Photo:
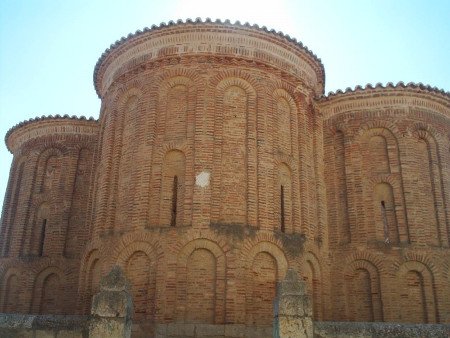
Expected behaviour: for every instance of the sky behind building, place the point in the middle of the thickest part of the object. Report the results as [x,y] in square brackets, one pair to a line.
[48,49]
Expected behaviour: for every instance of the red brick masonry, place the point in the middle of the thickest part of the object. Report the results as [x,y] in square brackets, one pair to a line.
[216,164]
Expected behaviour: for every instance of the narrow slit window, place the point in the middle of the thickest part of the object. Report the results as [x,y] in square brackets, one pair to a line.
[385,222]
[173,220]
[282,209]
[42,241]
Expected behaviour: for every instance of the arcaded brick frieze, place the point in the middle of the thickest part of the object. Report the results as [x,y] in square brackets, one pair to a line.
[215,166]
[209,39]
[371,97]
[49,125]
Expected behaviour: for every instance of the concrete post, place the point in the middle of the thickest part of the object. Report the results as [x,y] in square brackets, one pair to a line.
[112,307]
[292,309]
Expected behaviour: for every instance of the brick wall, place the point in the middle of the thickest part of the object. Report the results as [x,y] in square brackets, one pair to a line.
[388,190]
[212,169]
[44,226]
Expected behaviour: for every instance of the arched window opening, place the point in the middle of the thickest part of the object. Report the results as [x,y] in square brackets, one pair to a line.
[385,223]
[283,226]
[385,214]
[173,221]
[42,240]
[38,232]
[173,189]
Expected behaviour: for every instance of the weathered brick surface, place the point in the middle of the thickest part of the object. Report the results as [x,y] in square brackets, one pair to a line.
[388,194]
[44,225]
[215,165]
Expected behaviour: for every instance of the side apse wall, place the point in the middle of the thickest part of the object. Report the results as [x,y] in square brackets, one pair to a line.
[44,224]
[388,188]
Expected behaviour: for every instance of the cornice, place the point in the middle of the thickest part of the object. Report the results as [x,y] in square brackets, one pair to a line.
[382,96]
[389,85]
[49,125]
[142,39]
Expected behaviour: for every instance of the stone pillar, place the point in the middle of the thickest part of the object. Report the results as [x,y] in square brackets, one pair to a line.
[292,309]
[112,307]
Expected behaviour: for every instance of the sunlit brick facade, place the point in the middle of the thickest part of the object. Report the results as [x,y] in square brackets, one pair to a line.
[216,164]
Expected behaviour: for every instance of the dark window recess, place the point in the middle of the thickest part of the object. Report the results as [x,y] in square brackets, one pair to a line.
[173,220]
[385,223]
[41,244]
[282,209]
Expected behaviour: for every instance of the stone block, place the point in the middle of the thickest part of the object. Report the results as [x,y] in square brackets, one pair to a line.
[112,304]
[296,328]
[16,333]
[180,329]
[9,320]
[161,329]
[235,330]
[293,310]
[203,330]
[109,328]
[45,334]
[258,332]
[112,307]
[291,285]
[291,306]
[115,281]
[69,334]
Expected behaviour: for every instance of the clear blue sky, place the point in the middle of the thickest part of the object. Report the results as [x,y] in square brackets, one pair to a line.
[48,48]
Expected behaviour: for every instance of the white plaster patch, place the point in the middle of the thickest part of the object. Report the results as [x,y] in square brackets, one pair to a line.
[202,179]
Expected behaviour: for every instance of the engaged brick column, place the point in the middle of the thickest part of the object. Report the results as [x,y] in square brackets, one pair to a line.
[292,309]
[112,307]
